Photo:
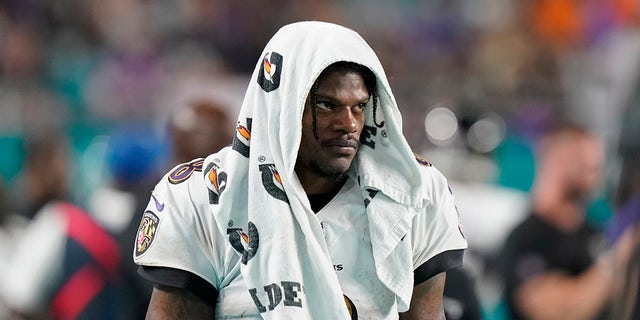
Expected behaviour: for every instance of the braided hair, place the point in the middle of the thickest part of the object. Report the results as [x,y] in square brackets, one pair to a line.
[369,82]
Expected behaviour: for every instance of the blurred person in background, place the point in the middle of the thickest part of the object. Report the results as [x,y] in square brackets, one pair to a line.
[11,227]
[45,171]
[65,266]
[550,260]
[199,129]
[624,230]
[134,158]
[460,299]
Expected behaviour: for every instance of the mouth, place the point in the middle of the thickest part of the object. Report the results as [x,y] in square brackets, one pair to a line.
[342,147]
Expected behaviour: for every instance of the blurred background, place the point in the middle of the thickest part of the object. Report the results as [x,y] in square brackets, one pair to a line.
[477,81]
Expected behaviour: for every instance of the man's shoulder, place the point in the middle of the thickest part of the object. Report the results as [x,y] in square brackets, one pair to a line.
[183,182]
[431,175]
[184,172]
[191,173]
[194,179]
[422,161]
[427,169]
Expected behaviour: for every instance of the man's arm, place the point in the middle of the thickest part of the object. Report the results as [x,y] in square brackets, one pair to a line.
[426,302]
[556,295]
[559,296]
[173,303]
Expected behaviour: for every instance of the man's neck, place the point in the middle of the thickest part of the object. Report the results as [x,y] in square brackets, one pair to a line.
[319,185]
[565,215]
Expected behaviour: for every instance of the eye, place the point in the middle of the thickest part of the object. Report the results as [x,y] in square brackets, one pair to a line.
[325,105]
[360,106]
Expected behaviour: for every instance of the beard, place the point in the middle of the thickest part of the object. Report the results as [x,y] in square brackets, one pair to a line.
[579,194]
[327,171]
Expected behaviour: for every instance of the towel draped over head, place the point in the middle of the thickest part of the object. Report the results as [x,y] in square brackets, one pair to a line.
[283,243]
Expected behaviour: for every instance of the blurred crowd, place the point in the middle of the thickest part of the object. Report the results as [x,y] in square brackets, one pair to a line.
[99,98]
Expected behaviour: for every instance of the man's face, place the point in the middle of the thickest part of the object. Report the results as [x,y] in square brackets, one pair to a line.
[340,103]
[585,169]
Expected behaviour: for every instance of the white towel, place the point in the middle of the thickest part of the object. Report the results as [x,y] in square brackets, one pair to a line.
[279,234]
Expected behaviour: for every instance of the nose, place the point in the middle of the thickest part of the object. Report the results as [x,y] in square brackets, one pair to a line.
[345,120]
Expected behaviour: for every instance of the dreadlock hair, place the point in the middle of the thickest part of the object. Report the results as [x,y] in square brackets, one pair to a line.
[369,82]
